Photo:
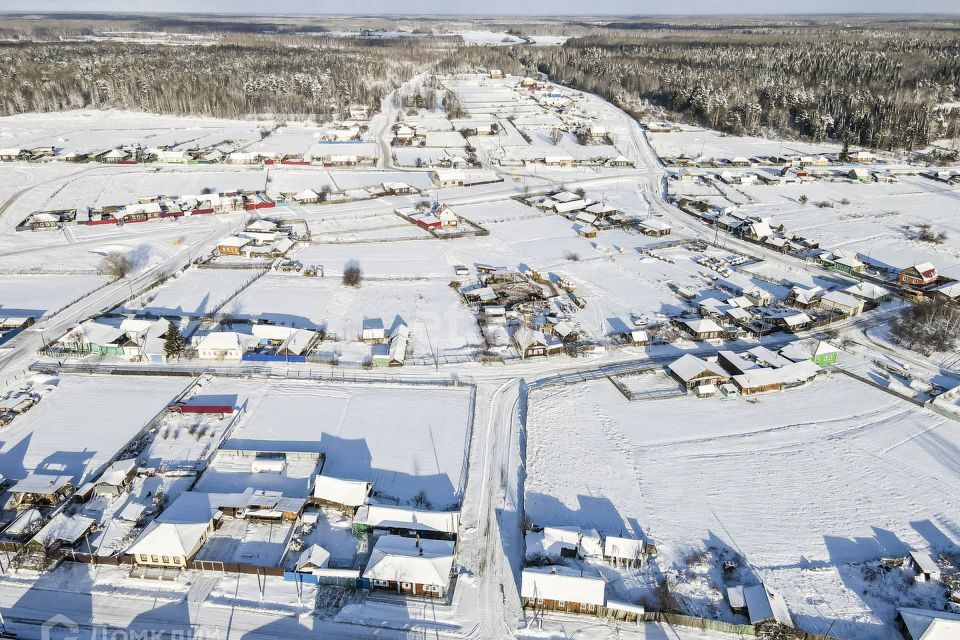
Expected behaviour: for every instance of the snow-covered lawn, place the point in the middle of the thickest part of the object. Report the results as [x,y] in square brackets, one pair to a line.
[195,292]
[817,477]
[403,439]
[873,222]
[38,295]
[713,144]
[80,425]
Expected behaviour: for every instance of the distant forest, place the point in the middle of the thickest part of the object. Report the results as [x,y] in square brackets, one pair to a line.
[221,80]
[883,88]
[883,84]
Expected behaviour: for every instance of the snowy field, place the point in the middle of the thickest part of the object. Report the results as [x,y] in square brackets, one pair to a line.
[801,483]
[82,423]
[195,292]
[873,222]
[403,439]
[406,259]
[713,144]
[437,319]
[106,185]
[38,295]
[93,130]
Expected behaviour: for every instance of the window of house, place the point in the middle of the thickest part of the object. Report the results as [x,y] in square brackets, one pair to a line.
[154,559]
[540,602]
[432,588]
[406,585]
[381,583]
[166,559]
[143,557]
[176,559]
[561,604]
[583,606]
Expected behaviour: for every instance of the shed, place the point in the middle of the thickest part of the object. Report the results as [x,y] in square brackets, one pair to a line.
[313,557]
[346,495]
[924,566]
[766,605]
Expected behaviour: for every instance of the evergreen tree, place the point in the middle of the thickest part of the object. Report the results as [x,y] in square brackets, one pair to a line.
[173,343]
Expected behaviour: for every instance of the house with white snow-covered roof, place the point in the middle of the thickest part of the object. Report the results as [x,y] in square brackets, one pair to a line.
[410,566]
[560,588]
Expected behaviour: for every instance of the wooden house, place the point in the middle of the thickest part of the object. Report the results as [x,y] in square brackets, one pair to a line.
[693,372]
[232,245]
[530,342]
[703,329]
[560,588]
[410,566]
[839,301]
[918,275]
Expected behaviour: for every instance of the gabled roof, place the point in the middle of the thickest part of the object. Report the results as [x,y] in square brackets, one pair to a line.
[619,547]
[116,474]
[169,539]
[389,517]
[41,483]
[63,529]
[764,604]
[350,493]
[842,299]
[690,366]
[703,325]
[924,562]
[923,624]
[526,337]
[313,557]
[399,559]
[562,583]
[226,341]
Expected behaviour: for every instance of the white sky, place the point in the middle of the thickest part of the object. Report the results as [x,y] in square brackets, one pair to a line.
[494,7]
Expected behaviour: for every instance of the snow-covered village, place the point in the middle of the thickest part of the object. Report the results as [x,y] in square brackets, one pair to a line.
[479,327]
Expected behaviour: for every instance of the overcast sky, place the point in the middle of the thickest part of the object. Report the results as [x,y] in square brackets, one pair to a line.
[493,7]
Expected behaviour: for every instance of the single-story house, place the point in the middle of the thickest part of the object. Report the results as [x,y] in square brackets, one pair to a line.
[764,379]
[871,294]
[918,275]
[410,566]
[655,227]
[225,345]
[449,178]
[839,301]
[530,342]
[231,245]
[694,372]
[559,588]
[703,329]
[176,535]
